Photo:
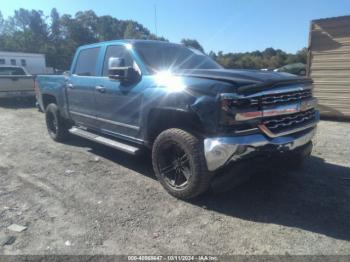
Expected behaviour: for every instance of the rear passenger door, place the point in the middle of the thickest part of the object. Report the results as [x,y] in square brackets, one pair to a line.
[81,87]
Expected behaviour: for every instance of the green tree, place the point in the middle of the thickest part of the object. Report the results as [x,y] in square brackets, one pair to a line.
[55,27]
[26,31]
[192,43]
[134,30]
[58,36]
[2,22]
[108,28]
[301,55]
[213,55]
[269,58]
[131,31]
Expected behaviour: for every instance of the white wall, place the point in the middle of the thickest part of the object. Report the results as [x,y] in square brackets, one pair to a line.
[36,63]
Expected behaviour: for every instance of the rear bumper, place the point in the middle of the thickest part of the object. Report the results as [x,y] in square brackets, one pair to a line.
[14,94]
[220,151]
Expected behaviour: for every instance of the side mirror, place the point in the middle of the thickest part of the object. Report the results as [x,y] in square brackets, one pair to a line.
[118,71]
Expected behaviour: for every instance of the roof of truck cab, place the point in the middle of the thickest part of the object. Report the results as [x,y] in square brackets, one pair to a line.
[126,41]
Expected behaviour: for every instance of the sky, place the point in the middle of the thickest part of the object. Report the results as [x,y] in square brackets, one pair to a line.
[226,25]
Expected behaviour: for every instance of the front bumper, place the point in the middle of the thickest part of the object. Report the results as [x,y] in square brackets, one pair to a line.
[220,151]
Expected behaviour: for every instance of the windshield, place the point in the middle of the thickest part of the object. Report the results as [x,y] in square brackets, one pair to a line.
[165,56]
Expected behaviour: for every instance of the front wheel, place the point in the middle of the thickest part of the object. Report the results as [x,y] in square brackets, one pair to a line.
[179,164]
[56,125]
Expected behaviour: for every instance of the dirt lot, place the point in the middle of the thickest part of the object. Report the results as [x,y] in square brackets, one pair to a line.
[82,198]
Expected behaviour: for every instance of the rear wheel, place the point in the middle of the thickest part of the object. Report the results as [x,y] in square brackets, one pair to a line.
[56,125]
[179,164]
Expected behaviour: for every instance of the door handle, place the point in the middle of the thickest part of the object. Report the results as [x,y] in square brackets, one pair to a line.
[100,89]
[70,86]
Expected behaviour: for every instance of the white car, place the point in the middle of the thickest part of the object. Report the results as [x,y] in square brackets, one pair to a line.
[15,82]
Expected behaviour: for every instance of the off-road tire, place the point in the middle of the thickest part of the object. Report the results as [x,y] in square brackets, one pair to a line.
[200,178]
[56,125]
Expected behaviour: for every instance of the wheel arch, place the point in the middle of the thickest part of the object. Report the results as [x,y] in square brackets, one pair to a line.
[48,99]
[160,119]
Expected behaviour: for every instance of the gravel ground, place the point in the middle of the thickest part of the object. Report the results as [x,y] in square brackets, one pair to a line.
[83,198]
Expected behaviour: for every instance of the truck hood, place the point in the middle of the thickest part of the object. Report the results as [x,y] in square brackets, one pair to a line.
[246,81]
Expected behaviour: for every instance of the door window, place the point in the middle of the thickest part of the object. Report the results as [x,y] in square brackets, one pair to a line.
[116,51]
[86,62]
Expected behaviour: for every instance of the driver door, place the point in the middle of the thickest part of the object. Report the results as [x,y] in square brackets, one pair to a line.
[118,105]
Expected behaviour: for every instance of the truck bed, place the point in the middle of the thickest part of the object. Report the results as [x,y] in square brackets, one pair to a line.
[12,86]
[50,85]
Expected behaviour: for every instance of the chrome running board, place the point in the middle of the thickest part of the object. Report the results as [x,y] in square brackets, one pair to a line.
[104,141]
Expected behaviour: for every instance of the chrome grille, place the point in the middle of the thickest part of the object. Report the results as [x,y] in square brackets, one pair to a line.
[277,112]
[274,99]
[282,123]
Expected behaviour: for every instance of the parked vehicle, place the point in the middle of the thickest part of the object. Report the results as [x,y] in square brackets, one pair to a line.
[197,118]
[15,82]
[296,69]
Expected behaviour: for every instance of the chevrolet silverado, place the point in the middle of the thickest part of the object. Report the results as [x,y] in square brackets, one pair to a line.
[195,117]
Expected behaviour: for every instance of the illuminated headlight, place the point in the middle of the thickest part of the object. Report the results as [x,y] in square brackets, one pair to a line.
[167,80]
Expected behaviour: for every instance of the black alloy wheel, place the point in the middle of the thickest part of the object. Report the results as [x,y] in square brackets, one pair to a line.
[179,163]
[174,166]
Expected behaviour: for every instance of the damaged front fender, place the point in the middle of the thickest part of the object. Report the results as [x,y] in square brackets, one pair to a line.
[206,108]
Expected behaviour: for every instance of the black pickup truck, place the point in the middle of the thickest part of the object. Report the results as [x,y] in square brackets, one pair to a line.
[197,118]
